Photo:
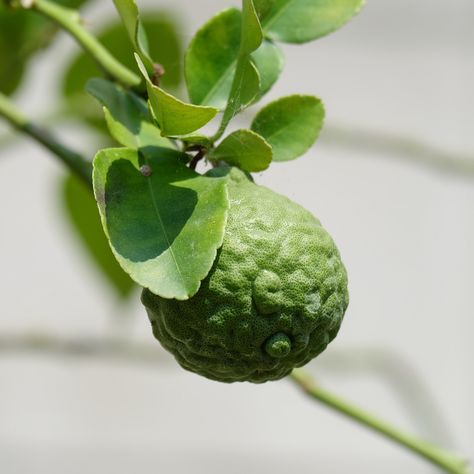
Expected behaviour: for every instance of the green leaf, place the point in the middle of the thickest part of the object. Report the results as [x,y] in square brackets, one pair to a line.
[300,21]
[269,61]
[130,15]
[290,125]
[164,225]
[246,84]
[196,140]
[81,211]
[251,34]
[126,115]
[245,149]
[211,60]
[174,116]
[162,30]
[245,88]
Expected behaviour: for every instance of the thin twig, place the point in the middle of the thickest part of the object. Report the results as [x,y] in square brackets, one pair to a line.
[77,163]
[124,351]
[444,460]
[69,20]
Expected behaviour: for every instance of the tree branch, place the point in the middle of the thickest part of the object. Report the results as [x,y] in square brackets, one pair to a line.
[140,353]
[69,20]
[74,161]
[444,460]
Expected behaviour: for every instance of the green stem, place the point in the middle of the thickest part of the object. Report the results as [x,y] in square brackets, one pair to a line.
[70,21]
[77,163]
[446,461]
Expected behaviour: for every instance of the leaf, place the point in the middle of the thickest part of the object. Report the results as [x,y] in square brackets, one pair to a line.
[164,226]
[269,61]
[130,15]
[200,140]
[245,149]
[81,211]
[211,59]
[174,116]
[251,34]
[300,21]
[245,88]
[246,83]
[126,115]
[162,30]
[290,125]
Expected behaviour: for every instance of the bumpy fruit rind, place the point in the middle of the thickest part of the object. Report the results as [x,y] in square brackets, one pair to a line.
[273,300]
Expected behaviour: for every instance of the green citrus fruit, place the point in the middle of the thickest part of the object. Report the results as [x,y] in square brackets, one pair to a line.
[273,300]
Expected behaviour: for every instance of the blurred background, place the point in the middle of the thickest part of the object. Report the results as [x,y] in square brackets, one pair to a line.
[84,387]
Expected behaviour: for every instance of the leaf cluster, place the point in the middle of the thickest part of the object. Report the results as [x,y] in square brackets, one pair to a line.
[164,220]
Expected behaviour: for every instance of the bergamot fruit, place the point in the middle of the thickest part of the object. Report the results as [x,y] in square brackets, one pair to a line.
[273,300]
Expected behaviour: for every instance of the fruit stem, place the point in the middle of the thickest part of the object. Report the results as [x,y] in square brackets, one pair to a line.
[444,460]
[69,20]
[77,163]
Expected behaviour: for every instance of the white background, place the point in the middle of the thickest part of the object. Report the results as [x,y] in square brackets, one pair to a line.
[405,230]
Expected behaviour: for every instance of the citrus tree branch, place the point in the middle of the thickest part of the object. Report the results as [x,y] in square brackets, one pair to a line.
[70,21]
[440,458]
[110,348]
[77,163]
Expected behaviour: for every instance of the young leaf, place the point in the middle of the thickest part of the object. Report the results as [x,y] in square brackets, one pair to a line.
[162,29]
[130,15]
[299,21]
[81,211]
[211,60]
[251,34]
[126,115]
[290,125]
[174,116]
[164,221]
[245,149]
[246,83]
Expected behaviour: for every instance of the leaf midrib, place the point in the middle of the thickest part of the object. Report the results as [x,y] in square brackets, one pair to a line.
[158,215]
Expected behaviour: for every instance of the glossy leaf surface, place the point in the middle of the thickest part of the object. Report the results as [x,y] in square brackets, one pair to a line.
[211,60]
[245,149]
[161,29]
[299,21]
[290,125]
[164,225]
[126,115]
